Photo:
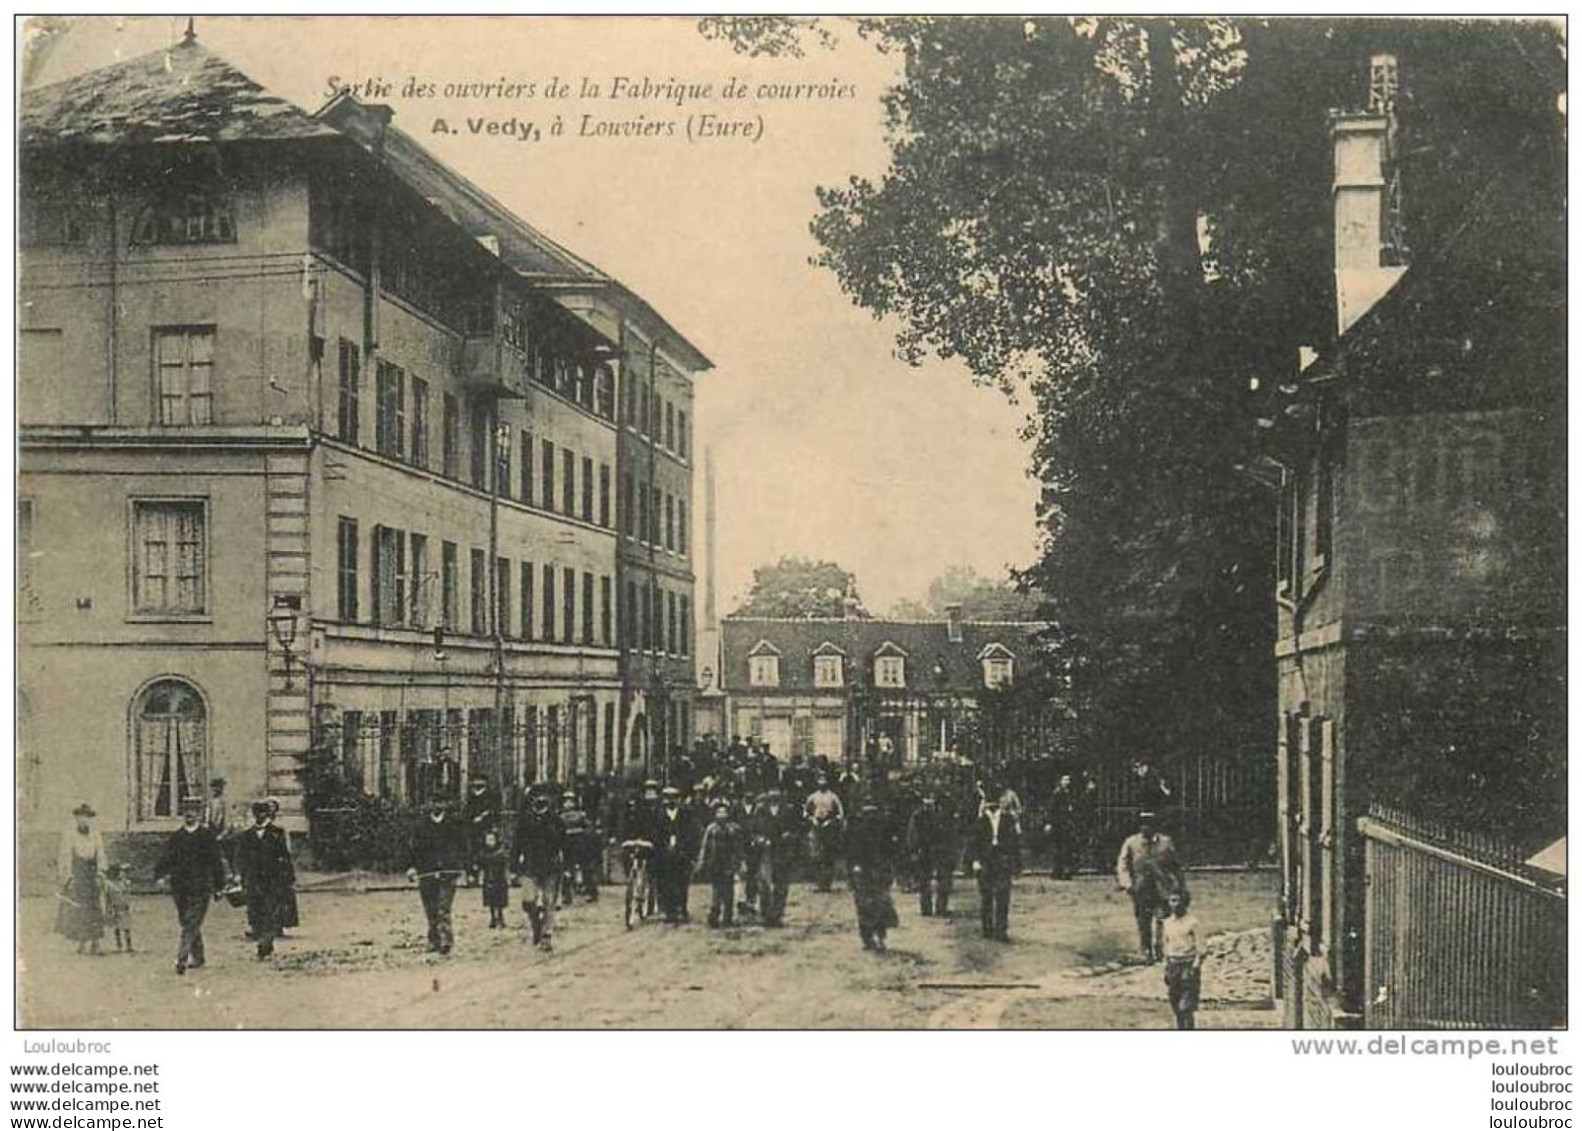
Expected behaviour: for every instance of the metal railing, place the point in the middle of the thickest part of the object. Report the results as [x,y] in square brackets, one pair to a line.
[1459,933]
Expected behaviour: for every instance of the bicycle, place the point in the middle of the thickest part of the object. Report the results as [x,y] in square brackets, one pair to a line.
[634,857]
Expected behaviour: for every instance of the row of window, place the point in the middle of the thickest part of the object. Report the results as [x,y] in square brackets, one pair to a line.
[181,216]
[547,603]
[555,479]
[408,756]
[889,671]
[658,419]
[654,516]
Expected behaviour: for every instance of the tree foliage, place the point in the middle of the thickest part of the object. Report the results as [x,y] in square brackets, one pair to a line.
[980,598]
[800,587]
[1119,222]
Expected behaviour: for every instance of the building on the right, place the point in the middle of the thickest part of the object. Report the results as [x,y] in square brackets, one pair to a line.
[1420,463]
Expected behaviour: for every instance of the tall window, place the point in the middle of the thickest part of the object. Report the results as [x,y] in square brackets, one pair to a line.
[502,596]
[346,570]
[419,446]
[527,467]
[527,600]
[647,625]
[547,627]
[628,514]
[670,426]
[482,425]
[827,670]
[389,576]
[350,402]
[672,643]
[653,514]
[548,485]
[184,374]
[450,441]
[606,625]
[450,585]
[587,608]
[390,409]
[568,463]
[681,432]
[629,630]
[26,597]
[604,495]
[670,522]
[681,526]
[168,567]
[587,489]
[642,512]
[686,626]
[480,593]
[419,586]
[568,598]
[171,736]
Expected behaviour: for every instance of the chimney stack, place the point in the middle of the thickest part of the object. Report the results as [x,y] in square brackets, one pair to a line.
[953,623]
[1369,256]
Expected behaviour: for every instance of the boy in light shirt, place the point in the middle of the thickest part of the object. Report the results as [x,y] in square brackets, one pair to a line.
[1183,953]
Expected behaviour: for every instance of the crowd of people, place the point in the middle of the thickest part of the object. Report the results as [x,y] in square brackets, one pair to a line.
[736,819]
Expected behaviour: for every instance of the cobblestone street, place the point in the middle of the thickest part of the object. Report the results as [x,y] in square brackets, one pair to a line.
[1066,967]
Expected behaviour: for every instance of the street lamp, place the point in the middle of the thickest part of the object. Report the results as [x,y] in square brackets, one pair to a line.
[282,621]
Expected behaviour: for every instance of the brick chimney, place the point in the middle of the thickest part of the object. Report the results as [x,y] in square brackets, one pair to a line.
[953,623]
[1369,253]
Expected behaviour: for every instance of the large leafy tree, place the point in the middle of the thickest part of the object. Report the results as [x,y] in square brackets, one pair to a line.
[1122,222]
[801,587]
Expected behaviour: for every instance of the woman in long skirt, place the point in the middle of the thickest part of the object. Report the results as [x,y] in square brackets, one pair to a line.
[80,915]
[870,856]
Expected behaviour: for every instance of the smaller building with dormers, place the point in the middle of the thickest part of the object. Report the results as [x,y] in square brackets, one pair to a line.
[902,691]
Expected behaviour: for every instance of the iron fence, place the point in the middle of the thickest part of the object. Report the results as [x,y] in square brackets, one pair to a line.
[1460,934]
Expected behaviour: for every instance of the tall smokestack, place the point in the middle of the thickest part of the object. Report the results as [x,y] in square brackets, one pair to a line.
[1369,253]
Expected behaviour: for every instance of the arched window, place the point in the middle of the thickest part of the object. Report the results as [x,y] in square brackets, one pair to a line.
[170,735]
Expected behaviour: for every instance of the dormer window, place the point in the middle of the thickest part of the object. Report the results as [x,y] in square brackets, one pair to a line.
[889,666]
[828,666]
[999,666]
[186,218]
[763,665]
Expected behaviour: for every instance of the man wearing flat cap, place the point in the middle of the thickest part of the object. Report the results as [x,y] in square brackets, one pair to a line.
[675,848]
[1148,870]
[263,860]
[540,847]
[439,858]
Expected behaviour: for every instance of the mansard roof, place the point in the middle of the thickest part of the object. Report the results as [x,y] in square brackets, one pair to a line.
[926,644]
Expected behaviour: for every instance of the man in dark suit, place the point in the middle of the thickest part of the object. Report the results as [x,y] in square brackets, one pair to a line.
[193,867]
[675,848]
[263,861]
[934,847]
[481,813]
[439,858]
[996,851]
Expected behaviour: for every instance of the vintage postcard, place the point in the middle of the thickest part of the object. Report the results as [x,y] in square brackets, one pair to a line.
[791,523]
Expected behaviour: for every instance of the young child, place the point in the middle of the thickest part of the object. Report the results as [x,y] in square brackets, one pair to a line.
[494,866]
[1183,952]
[117,905]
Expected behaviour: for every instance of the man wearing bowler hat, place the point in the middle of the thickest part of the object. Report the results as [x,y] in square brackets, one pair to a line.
[263,861]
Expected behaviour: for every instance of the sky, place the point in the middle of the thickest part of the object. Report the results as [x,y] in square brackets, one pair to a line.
[825,445]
